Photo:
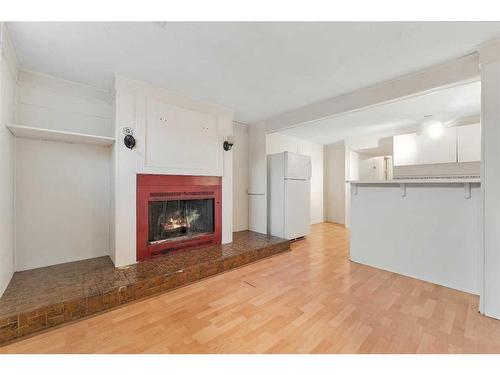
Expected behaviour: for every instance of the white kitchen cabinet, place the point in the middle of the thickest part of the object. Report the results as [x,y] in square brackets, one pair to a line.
[405,148]
[419,149]
[442,149]
[469,143]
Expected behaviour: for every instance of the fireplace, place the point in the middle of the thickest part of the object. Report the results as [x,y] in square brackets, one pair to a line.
[172,219]
[175,212]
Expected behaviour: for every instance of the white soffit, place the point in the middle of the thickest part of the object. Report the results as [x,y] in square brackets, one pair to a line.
[259,69]
[445,105]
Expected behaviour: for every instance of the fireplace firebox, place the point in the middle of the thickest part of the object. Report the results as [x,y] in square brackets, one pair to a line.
[171,219]
[175,212]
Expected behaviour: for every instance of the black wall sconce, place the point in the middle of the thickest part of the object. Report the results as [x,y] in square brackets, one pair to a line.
[228,143]
[129,141]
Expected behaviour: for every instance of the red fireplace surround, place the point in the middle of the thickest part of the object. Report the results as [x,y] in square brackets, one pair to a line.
[175,187]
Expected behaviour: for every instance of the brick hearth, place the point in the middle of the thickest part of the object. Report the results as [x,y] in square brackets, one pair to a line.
[46,297]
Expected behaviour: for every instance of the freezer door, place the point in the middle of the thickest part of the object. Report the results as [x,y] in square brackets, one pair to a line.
[297,208]
[297,167]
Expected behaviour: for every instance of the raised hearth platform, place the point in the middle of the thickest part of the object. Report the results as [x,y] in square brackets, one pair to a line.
[46,297]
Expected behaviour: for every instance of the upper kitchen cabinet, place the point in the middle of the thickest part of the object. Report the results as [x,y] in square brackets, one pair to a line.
[456,144]
[416,149]
[469,143]
[405,149]
[438,150]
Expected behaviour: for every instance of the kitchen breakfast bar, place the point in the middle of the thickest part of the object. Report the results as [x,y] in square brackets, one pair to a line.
[426,228]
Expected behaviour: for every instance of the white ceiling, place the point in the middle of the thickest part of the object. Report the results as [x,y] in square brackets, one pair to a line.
[447,105]
[258,69]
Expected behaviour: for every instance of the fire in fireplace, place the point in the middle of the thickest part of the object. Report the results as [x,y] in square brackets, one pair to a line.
[177,212]
[172,219]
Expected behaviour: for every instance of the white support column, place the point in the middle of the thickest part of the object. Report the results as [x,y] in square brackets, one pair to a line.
[490,178]
[227,185]
[123,188]
[257,179]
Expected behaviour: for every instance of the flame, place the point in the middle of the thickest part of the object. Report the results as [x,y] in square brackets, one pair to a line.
[178,222]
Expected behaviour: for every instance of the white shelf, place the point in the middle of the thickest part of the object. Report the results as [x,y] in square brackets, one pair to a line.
[58,135]
[451,180]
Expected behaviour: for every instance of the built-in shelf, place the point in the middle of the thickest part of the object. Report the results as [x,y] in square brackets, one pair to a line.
[59,135]
[466,181]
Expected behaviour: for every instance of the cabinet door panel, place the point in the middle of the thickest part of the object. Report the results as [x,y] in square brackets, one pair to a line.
[438,150]
[180,138]
[405,149]
[469,143]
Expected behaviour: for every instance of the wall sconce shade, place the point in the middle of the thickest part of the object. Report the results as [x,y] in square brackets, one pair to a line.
[228,143]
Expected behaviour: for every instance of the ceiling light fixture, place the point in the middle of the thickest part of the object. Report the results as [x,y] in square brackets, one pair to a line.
[434,129]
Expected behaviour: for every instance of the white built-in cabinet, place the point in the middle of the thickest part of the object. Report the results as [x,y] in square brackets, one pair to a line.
[179,140]
[462,144]
[405,149]
[442,149]
[469,143]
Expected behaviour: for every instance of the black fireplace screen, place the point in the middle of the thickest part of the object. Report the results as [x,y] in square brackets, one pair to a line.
[180,218]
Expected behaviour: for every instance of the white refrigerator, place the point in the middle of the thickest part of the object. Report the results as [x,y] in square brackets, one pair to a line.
[288,195]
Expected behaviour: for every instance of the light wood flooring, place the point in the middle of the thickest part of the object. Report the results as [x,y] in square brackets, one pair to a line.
[309,300]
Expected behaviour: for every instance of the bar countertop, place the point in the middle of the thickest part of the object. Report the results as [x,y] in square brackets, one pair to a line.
[448,180]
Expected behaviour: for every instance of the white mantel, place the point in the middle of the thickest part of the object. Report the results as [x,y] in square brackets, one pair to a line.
[139,106]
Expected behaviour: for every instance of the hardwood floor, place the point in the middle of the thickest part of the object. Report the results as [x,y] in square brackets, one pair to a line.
[309,300]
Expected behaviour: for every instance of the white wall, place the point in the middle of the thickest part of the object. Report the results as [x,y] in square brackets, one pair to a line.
[335,183]
[131,110]
[352,165]
[8,72]
[432,234]
[277,143]
[352,173]
[62,189]
[316,152]
[371,167]
[53,103]
[240,177]
[490,178]
[62,202]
